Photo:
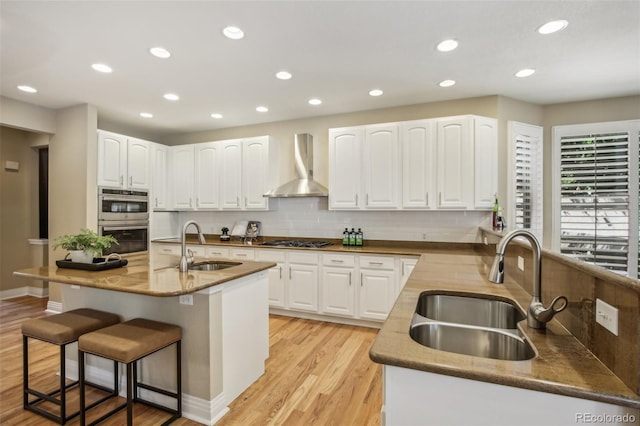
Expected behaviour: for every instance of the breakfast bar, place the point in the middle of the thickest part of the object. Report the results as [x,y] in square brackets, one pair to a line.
[223,315]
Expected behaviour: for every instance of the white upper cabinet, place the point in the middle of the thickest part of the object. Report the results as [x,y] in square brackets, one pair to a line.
[364,168]
[418,164]
[381,167]
[345,168]
[160,183]
[225,175]
[445,163]
[207,172]
[123,162]
[486,161]
[231,175]
[255,172]
[182,175]
[455,163]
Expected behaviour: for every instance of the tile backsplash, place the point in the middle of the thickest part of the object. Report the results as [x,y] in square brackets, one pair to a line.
[310,217]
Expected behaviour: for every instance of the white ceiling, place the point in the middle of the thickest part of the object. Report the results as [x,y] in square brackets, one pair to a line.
[336,50]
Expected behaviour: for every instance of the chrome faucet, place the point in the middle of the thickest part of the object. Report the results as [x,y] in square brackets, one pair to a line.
[184,262]
[537,315]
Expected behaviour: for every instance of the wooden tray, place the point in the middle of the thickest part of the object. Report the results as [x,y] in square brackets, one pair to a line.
[99,264]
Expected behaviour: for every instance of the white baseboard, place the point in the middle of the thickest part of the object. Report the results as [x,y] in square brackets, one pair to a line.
[54,307]
[24,291]
[326,318]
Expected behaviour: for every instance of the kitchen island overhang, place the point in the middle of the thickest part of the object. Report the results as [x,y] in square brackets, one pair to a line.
[224,316]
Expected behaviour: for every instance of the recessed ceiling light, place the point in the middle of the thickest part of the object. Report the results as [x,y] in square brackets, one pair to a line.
[146,115]
[160,52]
[262,109]
[102,68]
[376,92]
[315,101]
[553,26]
[447,45]
[234,33]
[171,96]
[27,89]
[216,115]
[525,72]
[283,75]
[447,83]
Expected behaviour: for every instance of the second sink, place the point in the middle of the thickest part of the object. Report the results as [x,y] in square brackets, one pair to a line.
[469,310]
[212,265]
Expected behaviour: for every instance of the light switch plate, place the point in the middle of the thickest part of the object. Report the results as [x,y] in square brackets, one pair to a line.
[521,263]
[186,299]
[607,316]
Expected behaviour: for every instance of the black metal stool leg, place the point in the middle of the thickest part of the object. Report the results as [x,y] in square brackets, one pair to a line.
[63,381]
[130,380]
[81,380]
[25,371]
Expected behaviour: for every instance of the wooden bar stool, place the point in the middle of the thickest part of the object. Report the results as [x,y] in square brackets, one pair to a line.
[127,343]
[61,329]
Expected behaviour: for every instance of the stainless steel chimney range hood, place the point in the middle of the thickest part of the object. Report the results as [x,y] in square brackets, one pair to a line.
[303,185]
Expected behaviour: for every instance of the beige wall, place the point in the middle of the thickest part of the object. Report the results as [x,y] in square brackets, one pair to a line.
[18,207]
[22,115]
[72,178]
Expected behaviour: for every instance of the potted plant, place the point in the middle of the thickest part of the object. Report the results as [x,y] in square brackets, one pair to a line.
[86,245]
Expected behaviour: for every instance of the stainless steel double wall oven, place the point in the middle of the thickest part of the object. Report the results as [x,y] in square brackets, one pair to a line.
[125,215]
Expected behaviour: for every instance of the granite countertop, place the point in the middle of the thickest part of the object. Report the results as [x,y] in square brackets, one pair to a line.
[562,364]
[380,247]
[146,278]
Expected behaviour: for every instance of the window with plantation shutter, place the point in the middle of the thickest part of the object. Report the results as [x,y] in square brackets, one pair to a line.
[526,177]
[597,194]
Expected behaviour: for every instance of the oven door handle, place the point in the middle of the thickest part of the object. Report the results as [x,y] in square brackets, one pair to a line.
[124,228]
[123,199]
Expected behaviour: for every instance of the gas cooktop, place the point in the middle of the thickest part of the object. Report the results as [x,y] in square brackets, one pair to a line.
[296,243]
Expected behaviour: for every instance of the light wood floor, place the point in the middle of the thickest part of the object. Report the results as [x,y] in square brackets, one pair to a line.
[317,374]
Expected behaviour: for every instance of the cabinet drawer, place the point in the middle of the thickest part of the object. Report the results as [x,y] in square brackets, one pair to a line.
[346,260]
[239,253]
[270,256]
[197,250]
[303,257]
[377,262]
[217,252]
[172,249]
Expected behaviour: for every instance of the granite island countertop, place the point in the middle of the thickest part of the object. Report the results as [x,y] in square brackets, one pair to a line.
[147,278]
[562,364]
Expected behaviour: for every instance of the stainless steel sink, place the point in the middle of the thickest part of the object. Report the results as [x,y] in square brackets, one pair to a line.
[213,265]
[470,325]
[469,310]
[475,341]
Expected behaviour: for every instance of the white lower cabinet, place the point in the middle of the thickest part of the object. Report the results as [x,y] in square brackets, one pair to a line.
[277,281]
[377,287]
[406,267]
[302,275]
[338,285]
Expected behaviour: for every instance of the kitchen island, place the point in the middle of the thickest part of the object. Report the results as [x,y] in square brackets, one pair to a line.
[223,315]
[563,384]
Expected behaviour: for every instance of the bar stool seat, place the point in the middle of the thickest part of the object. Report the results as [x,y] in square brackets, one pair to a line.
[60,329]
[127,343]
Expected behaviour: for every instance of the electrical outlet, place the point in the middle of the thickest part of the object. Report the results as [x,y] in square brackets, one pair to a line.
[186,299]
[521,263]
[424,237]
[607,316]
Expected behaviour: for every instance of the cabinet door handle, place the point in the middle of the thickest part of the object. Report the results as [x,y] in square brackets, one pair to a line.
[156,201]
[376,263]
[289,272]
[366,200]
[197,201]
[246,201]
[427,199]
[237,201]
[121,180]
[241,254]
[189,201]
[337,261]
[130,180]
[356,199]
[361,280]
[439,198]
[280,268]
[349,279]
